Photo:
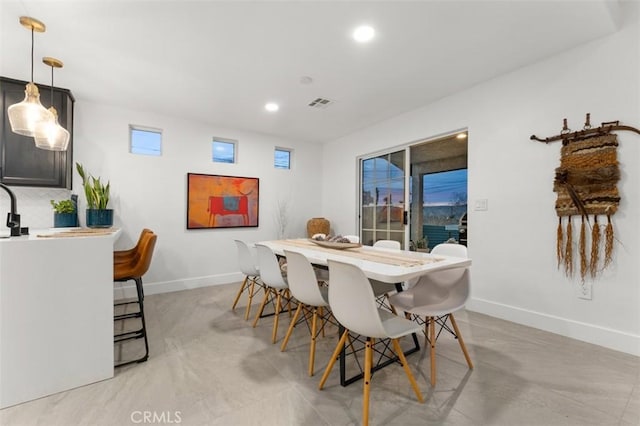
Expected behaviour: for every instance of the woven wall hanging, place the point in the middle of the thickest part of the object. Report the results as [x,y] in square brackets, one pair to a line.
[587,195]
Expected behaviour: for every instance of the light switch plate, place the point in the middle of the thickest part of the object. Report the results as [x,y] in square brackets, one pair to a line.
[481,204]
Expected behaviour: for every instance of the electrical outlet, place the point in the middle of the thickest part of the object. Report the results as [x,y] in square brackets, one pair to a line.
[584,290]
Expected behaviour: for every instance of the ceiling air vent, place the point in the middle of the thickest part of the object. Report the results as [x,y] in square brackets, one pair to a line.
[320,103]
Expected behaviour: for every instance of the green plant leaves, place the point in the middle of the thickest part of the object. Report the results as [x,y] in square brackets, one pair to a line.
[64,206]
[95,191]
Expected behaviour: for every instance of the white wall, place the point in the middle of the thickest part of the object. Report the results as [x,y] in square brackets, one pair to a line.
[151,191]
[513,243]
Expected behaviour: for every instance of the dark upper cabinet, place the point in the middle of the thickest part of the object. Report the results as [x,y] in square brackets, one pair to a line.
[21,163]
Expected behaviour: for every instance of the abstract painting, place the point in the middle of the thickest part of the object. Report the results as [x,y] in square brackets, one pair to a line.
[215,201]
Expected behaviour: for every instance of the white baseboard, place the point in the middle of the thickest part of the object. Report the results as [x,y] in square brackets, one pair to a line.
[602,336]
[128,289]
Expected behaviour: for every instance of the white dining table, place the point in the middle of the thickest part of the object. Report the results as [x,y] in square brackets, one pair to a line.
[386,265]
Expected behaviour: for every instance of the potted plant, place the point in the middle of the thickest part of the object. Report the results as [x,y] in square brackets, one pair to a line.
[422,245]
[97,195]
[64,214]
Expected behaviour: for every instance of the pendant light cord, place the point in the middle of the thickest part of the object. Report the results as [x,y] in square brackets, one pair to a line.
[51,85]
[32,53]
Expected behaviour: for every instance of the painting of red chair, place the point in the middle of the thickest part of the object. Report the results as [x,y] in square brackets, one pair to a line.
[215,201]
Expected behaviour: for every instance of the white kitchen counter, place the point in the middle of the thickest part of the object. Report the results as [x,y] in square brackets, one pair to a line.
[56,314]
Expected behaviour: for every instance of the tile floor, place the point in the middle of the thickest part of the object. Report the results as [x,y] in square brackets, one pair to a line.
[210,367]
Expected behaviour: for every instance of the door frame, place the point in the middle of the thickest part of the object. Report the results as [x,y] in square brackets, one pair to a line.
[408,175]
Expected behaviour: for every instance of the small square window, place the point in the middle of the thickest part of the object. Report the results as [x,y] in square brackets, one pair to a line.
[223,150]
[145,140]
[282,158]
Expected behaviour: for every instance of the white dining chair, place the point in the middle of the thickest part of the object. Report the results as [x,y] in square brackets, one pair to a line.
[450,249]
[275,285]
[248,266]
[434,299]
[382,289]
[353,304]
[312,301]
[352,238]
[388,244]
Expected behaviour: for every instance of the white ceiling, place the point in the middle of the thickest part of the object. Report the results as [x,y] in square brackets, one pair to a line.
[220,62]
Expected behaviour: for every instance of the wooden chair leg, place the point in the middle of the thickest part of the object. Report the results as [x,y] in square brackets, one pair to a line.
[290,329]
[276,316]
[235,302]
[368,360]
[393,308]
[312,346]
[432,353]
[333,358]
[462,345]
[287,294]
[261,309]
[407,370]
[324,322]
[252,290]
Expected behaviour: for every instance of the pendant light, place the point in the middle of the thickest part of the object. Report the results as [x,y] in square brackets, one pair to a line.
[25,115]
[49,134]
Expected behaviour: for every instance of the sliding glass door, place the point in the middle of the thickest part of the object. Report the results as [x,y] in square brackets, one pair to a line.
[424,184]
[383,198]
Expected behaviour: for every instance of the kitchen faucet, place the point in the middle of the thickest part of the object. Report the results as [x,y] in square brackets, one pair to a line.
[13,218]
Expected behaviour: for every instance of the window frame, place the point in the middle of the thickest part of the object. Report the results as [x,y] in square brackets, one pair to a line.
[289,163]
[147,129]
[232,142]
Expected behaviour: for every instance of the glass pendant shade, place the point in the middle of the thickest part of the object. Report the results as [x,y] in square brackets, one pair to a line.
[24,116]
[50,135]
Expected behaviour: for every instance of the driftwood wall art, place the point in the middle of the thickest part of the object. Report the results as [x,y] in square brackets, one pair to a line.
[586,188]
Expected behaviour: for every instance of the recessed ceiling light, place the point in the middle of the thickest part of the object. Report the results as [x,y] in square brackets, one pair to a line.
[363,34]
[271,107]
[461,136]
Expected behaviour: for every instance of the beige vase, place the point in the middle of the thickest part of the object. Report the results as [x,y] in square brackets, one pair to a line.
[318,225]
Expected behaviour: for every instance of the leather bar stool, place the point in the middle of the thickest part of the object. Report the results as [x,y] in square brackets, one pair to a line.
[126,256]
[134,269]
[122,256]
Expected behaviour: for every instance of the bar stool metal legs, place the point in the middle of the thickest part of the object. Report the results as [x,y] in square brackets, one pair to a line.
[136,334]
